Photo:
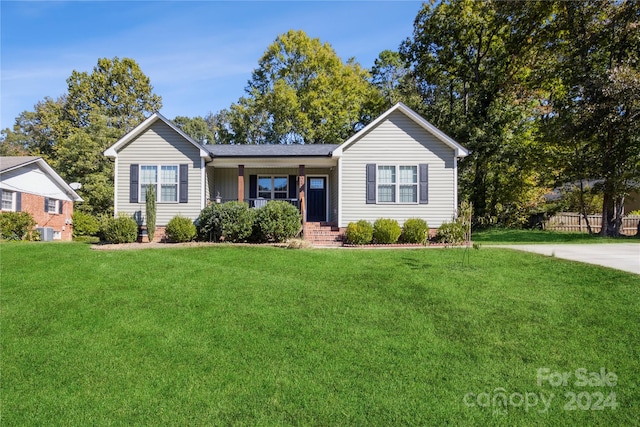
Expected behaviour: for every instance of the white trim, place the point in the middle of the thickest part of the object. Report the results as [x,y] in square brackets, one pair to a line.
[397,184]
[115,189]
[273,191]
[52,174]
[455,186]
[460,151]
[13,200]
[159,184]
[326,192]
[203,187]
[272,162]
[113,150]
[339,192]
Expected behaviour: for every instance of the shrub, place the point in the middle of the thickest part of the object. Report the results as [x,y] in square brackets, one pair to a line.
[85,224]
[150,207]
[123,229]
[415,230]
[386,231]
[180,229]
[451,233]
[17,226]
[230,221]
[359,233]
[277,221]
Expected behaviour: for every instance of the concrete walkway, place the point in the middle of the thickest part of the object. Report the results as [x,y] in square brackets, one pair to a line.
[621,256]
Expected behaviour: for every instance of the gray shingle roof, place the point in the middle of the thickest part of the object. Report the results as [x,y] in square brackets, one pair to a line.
[272,150]
[10,162]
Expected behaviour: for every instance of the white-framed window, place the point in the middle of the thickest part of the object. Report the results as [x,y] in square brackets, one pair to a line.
[164,178]
[8,200]
[397,184]
[52,205]
[273,187]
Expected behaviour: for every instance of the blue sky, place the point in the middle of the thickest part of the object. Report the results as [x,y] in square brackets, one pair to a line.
[198,55]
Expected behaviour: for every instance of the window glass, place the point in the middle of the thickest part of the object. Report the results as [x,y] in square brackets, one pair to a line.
[264,187]
[386,184]
[148,176]
[273,187]
[52,205]
[169,184]
[408,184]
[7,200]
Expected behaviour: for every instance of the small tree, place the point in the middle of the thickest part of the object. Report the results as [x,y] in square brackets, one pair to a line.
[151,211]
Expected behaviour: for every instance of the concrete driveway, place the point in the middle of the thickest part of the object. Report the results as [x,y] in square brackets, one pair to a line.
[621,256]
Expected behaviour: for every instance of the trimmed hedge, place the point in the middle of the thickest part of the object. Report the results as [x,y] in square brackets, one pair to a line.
[386,231]
[277,221]
[415,230]
[229,222]
[123,229]
[180,229]
[85,224]
[451,233]
[359,233]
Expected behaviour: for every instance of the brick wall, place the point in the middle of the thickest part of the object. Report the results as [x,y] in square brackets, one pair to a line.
[60,222]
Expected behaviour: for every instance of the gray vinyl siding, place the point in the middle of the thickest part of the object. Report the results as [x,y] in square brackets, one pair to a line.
[398,141]
[160,145]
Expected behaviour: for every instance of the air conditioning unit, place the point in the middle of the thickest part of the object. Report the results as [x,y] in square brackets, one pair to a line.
[46,233]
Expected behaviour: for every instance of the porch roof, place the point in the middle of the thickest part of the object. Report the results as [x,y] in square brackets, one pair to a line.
[271,150]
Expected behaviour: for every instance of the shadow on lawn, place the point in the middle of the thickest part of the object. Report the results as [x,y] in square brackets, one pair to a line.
[541,236]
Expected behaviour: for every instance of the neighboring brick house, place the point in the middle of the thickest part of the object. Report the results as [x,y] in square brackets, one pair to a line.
[29,184]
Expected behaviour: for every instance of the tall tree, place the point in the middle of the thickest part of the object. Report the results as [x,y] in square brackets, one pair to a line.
[394,79]
[596,104]
[472,61]
[71,132]
[302,92]
[197,128]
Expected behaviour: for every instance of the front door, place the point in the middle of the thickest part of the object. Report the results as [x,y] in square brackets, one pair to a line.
[317,198]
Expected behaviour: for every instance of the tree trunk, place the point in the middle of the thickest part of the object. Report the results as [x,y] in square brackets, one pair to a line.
[583,208]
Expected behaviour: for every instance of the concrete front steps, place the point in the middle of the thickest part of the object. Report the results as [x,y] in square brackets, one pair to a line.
[323,234]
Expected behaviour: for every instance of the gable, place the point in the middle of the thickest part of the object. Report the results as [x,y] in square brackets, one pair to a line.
[33,179]
[398,138]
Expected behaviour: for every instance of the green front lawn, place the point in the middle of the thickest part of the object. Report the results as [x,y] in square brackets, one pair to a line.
[267,336]
[503,236]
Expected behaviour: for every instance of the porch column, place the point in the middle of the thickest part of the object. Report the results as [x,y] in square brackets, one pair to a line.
[303,208]
[240,183]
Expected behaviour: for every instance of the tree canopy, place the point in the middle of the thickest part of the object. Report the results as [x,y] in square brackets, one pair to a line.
[72,131]
[301,92]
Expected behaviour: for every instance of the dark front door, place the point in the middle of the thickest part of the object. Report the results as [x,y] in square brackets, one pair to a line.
[317,198]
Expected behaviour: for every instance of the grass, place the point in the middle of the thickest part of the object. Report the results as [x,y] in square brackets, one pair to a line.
[514,236]
[269,336]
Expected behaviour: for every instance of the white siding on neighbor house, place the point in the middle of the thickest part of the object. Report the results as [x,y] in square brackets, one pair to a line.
[32,179]
[160,145]
[398,141]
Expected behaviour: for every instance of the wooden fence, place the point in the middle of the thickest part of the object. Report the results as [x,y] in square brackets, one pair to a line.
[565,221]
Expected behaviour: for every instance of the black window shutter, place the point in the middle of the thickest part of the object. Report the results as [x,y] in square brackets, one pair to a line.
[424,183]
[18,201]
[60,207]
[371,183]
[293,188]
[46,204]
[184,183]
[253,186]
[133,183]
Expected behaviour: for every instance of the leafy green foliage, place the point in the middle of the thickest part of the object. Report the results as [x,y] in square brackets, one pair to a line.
[301,92]
[123,229]
[229,222]
[72,131]
[277,221]
[386,231]
[451,233]
[85,224]
[17,226]
[180,229]
[415,230]
[150,205]
[197,128]
[359,233]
